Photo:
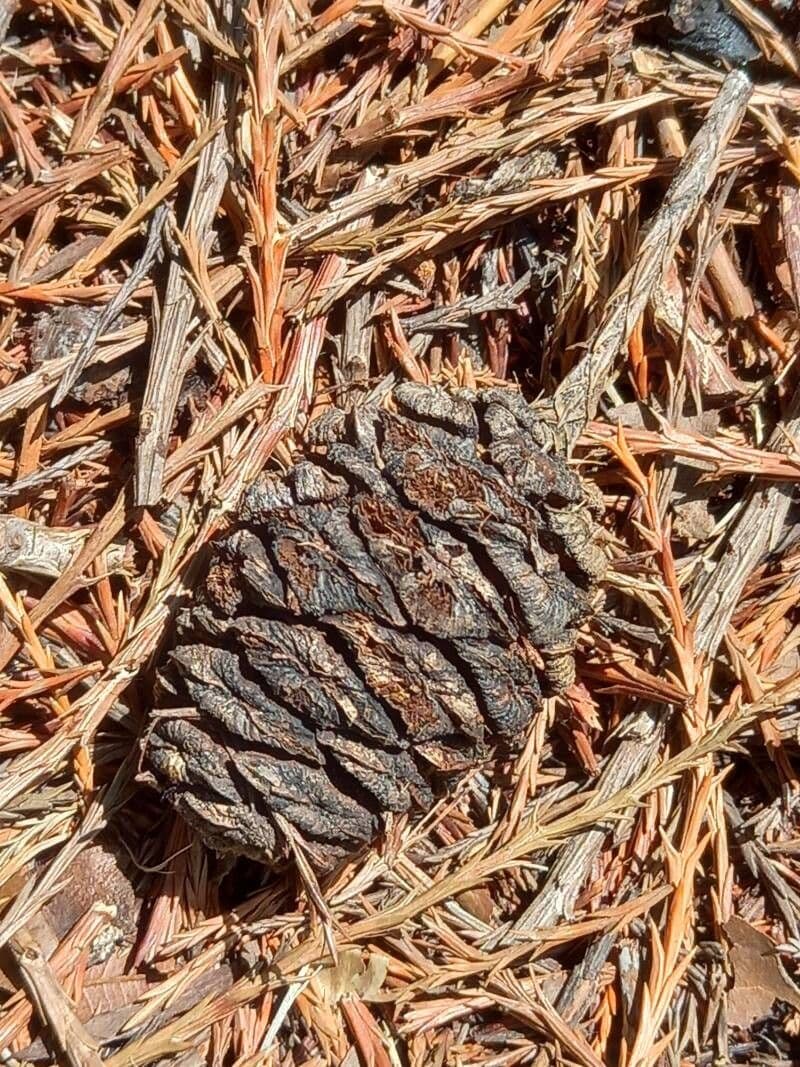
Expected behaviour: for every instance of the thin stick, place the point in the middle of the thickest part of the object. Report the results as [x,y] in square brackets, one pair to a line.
[168,360]
[114,308]
[575,400]
[52,1004]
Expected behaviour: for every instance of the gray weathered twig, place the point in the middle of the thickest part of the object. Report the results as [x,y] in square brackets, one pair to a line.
[53,1006]
[114,308]
[56,471]
[30,548]
[457,316]
[170,355]
[576,399]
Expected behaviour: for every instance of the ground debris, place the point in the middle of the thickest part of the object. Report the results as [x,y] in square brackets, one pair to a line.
[232,233]
[711,28]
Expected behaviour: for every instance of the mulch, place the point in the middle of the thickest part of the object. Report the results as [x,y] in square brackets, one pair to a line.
[216,222]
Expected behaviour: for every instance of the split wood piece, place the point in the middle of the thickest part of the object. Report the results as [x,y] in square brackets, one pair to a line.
[576,401]
[709,378]
[170,355]
[568,874]
[580,989]
[30,548]
[357,339]
[790,222]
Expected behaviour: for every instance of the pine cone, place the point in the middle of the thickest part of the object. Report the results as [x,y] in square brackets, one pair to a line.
[387,608]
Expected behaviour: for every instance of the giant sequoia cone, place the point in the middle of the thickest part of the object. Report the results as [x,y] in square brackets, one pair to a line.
[387,607]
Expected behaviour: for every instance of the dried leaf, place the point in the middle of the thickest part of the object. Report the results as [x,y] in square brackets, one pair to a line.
[352,975]
[758,975]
